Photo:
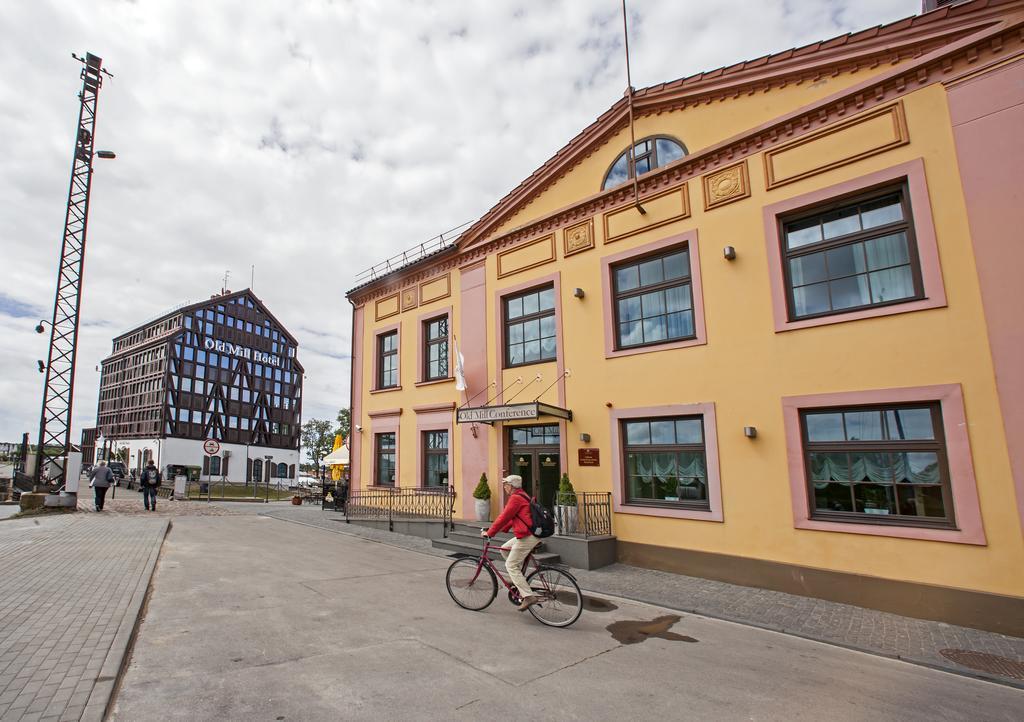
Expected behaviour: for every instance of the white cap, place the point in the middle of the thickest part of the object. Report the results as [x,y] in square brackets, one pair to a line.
[513,480]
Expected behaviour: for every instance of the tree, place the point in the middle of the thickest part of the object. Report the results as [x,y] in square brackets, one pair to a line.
[318,439]
[344,423]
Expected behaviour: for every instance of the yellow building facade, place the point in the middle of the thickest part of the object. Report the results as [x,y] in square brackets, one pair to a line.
[784,346]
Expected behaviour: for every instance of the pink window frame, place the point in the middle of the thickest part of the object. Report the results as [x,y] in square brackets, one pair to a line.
[445,312]
[966,509]
[707,411]
[375,389]
[924,230]
[433,417]
[385,422]
[688,239]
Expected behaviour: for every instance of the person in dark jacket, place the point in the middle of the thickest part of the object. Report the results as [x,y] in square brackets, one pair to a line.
[150,483]
[101,479]
[516,516]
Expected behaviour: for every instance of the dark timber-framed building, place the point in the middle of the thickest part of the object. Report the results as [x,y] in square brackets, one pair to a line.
[223,369]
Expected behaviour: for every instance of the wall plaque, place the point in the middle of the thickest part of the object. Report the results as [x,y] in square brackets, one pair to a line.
[590,457]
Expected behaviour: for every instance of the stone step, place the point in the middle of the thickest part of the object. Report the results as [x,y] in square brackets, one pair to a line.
[473,546]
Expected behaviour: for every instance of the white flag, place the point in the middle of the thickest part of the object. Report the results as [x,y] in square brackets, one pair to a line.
[460,373]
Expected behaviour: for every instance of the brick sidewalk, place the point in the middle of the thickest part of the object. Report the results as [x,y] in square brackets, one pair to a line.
[890,635]
[71,588]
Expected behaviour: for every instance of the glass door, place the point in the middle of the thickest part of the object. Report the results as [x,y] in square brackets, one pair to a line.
[548,473]
[534,455]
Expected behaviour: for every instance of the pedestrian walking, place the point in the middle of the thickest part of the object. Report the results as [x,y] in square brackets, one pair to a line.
[151,479]
[100,480]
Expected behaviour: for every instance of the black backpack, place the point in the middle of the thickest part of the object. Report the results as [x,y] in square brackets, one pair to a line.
[542,523]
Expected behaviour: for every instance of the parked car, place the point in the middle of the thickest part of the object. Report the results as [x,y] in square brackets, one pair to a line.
[119,469]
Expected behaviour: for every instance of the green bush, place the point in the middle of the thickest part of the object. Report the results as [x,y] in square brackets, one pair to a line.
[482,491]
[566,494]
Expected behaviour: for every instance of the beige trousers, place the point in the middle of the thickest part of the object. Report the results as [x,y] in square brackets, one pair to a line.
[515,551]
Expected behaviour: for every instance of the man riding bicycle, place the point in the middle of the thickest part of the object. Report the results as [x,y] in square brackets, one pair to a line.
[516,516]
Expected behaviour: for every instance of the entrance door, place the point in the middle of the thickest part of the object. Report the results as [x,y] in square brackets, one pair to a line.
[534,454]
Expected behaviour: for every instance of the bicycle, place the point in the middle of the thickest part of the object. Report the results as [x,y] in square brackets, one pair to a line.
[473,584]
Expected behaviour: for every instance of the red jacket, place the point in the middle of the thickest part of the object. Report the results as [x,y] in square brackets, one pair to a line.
[515,516]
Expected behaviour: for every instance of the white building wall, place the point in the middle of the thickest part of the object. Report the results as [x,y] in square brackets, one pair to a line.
[189,452]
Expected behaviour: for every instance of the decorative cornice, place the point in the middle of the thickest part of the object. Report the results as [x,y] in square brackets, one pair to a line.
[993,43]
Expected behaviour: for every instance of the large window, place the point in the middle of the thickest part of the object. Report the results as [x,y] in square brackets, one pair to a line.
[384,459]
[435,351]
[648,154]
[530,335]
[435,459]
[665,462]
[387,360]
[852,255]
[653,300]
[883,464]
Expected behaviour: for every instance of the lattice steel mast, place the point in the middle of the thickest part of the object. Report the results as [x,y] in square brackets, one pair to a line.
[55,419]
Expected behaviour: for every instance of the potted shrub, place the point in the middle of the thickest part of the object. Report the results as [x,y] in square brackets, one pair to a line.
[482,494]
[565,507]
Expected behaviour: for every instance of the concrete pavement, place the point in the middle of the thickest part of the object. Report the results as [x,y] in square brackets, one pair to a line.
[251,618]
[71,587]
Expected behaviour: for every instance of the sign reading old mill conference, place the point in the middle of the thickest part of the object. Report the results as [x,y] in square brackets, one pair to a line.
[511,412]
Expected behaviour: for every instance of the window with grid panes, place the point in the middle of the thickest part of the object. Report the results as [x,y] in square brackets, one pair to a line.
[665,462]
[435,459]
[387,351]
[883,464]
[530,332]
[384,461]
[653,300]
[435,352]
[847,256]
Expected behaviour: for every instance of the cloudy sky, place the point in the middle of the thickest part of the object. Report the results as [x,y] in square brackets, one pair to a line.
[310,139]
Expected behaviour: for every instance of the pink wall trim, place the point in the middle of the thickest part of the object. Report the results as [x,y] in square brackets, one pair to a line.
[958,449]
[421,340]
[384,422]
[528,372]
[356,396]
[432,420]
[987,114]
[473,344]
[707,410]
[924,230]
[427,408]
[377,333]
[689,239]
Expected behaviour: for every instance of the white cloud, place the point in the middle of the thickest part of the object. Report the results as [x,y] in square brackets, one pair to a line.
[310,139]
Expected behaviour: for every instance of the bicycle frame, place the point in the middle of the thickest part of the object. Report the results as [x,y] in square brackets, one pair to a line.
[485,559]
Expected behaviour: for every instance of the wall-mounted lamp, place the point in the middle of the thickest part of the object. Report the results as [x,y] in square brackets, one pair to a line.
[578,292]
[359,428]
[729,252]
[42,366]
[750,431]
[39,327]
[585,438]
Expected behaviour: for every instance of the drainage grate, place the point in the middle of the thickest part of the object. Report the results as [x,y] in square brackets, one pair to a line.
[984,662]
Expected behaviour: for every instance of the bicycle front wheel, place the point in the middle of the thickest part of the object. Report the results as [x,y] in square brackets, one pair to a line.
[471,584]
[561,601]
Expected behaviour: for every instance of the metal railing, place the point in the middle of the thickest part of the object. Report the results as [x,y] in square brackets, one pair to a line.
[401,504]
[422,250]
[583,513]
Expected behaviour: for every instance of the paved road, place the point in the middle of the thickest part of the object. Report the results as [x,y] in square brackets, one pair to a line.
[71,587]
[255,618]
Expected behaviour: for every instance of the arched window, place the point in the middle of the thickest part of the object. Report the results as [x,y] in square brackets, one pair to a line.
[282,471]
[648,154]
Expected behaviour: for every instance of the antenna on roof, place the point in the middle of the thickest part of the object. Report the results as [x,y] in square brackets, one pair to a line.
[632,132]
[224,288]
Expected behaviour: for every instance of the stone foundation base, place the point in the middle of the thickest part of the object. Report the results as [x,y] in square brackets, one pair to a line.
[32,500]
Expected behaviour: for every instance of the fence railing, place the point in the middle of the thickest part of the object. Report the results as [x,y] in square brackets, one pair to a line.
[401,504]
[583,513]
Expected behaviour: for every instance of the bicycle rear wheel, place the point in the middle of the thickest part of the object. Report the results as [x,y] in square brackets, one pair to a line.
[471,585]
[561,601]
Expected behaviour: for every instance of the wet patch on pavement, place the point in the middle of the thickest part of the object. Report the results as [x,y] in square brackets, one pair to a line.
[596,604]
[632,632]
